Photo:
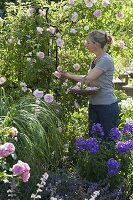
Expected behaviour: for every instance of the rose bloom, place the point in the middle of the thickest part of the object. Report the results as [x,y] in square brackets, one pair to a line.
[51,29]
[48,98]
[86,28]
[57,74]
[59,42]
[39,29]
[76,66]
[13,131]
[40,54]
[2,80]
[74,16]
[105,2]
[42,12]
[6,149]
[23,169]
[119,15]
[88,3]
[73,30]
[97,13]
[122,44]
[38,94]
[71,2]
[22,84]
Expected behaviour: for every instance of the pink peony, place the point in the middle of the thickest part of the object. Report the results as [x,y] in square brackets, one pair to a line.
[23,169]
[97,13]
[40,54]
[6,149]
[59,42]
[18,168]
[48,98]
[57,74]
[13,131]
[26,176]
[76,66]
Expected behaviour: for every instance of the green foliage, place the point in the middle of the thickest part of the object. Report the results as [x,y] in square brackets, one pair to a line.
[38,131]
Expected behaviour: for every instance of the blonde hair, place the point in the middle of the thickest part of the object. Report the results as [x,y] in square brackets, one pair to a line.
[100,37]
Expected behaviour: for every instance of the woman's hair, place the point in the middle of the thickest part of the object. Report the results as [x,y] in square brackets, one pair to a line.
[100,37]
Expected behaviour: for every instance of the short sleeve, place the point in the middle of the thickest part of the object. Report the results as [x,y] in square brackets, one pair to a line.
[105,64]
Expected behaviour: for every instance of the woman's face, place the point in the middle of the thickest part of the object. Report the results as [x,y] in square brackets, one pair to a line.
[90,45]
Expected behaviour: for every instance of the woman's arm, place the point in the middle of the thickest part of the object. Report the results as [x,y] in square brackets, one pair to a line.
[91,76]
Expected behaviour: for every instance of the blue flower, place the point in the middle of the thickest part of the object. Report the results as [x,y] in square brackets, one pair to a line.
[115,134]
[80,143]
[128,128]
[113,166]
[96,128]
[124,147]
[92,145]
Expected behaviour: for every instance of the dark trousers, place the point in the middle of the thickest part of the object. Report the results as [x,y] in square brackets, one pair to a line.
[106,115]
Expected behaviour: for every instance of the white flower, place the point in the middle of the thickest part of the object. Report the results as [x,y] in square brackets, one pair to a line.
[2,80]
[58,35]
[86,28]
[71,2]
[65,7]
[74,16]
[129,121]
[105,2]
[51,29]
[38,94]
[10,40]
[88,3]
[42,12]
[39,29]
[24,88]
[76,66]
[122,44]
[1,20]
[59,42]
[73,30]
[40,54]
[22,84]
[29,59]
[30,11]
[48,98]
[19,43]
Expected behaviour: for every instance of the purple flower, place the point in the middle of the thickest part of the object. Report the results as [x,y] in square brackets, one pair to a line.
[80,143]
[115,134]
[113,166]
[124,147]
[92,145]
[96,128]
[128,128]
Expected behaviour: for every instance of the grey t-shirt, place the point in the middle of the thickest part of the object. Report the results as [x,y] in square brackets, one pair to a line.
[105,95]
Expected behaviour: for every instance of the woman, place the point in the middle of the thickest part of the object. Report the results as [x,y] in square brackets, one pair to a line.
[103,106]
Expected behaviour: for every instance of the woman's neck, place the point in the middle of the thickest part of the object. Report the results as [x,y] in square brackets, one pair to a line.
[99,53]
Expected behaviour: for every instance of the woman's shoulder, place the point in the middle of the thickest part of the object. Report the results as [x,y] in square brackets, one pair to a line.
[107,58]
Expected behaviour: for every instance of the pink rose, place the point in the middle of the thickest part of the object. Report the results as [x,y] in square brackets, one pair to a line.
[57,74]
[9,147]
[51,29]
[18,168]
[88,3]
[97,13]
[40,54]
[59,42]
[122,44]
[25,176]
[38,94]
[105,2]
[48,98]
[71,2]
[13,131]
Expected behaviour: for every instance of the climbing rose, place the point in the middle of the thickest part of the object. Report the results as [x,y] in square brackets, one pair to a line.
[97,13]
[59,42]
[48,98]
[40,54]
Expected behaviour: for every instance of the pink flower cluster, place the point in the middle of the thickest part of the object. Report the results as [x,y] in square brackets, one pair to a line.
[6,149]
[22,169]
